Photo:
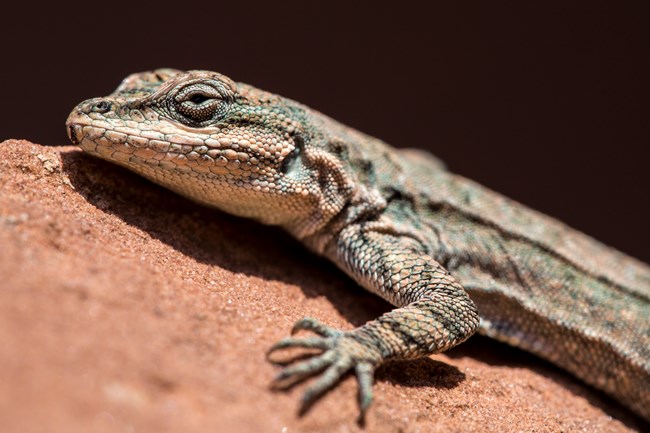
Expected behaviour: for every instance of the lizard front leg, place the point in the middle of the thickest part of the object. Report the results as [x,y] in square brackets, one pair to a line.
[435,312]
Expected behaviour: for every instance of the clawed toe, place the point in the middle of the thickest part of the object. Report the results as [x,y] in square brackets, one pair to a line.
[295,374]
[304,343]
[310,324]
[365,376]
[326,381]
[341,352]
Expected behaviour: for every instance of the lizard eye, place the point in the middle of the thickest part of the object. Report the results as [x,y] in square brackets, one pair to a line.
[198,98]
[200,103]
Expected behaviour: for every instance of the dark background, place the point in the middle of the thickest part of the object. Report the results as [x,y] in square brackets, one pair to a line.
[546,104]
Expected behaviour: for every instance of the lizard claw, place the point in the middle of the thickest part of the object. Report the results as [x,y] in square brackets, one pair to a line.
[311,324]
[341,352]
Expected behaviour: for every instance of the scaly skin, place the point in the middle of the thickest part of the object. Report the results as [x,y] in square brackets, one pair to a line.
[394,220]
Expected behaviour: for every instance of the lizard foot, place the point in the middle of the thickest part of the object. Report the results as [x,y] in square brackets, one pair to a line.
[341,352]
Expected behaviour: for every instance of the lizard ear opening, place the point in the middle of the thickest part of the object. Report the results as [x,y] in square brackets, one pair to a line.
[335,185]
[293,165]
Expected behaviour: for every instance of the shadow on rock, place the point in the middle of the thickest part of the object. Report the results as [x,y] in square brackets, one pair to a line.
[423,372]
[215,238]
[500,354]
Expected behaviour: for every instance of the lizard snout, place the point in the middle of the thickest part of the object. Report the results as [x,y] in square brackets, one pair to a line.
[74,132]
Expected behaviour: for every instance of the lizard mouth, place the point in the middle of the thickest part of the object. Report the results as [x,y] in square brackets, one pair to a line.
[72,134]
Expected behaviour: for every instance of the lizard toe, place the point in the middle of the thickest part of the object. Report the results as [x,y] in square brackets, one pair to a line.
[315,326]
[330,377]
[303,343]
[295,374]
[342,352]
[365,372]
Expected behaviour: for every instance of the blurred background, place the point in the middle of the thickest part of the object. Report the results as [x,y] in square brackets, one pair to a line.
[546,104]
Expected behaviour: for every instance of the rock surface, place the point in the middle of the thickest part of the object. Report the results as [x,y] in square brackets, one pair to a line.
[125,308]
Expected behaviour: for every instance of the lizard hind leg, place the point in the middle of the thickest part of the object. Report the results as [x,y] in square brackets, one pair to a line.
[341,352]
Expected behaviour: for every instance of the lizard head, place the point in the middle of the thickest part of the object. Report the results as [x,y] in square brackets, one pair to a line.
[221,143]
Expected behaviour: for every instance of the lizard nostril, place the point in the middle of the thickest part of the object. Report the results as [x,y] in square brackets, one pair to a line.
[101,107]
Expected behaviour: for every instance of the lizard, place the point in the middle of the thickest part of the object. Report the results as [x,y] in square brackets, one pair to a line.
[452,256]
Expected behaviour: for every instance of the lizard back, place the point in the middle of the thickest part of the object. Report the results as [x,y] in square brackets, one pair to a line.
[538,284]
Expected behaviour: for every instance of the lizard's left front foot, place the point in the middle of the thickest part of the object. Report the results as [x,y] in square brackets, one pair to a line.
[341,352]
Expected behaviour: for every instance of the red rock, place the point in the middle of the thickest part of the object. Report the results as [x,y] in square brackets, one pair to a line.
[124,307]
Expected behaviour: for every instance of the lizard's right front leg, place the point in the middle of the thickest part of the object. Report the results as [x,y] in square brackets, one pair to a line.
[435,314]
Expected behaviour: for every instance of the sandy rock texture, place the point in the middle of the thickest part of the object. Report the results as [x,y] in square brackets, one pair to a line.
[125,308]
